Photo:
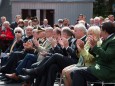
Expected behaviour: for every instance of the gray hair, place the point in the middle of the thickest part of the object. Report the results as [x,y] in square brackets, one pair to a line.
[68,31]
[19,29]
[82,27]
[65,28]
[96,18]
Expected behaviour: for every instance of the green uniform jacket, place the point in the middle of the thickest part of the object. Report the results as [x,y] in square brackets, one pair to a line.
[104,67]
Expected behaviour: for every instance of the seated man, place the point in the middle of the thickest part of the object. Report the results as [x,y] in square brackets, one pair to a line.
[57,59]
[86,59]
[103,69]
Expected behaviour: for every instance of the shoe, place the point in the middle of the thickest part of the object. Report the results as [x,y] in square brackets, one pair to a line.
[24,78]
[1,77]
[9,81]
[12,76]
[2,69]
[1,74]
[5,79]
[29,71]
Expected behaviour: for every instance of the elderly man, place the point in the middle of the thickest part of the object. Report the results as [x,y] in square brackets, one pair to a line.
[3,19]
[60,60]
[45,24]
[15,23]
[103,69]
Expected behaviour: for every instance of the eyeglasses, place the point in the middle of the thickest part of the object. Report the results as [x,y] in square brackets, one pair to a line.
[18,32]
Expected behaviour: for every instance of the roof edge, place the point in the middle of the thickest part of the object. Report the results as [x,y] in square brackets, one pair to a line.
[52,1]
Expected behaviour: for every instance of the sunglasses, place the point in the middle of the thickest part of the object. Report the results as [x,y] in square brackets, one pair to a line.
[18,32]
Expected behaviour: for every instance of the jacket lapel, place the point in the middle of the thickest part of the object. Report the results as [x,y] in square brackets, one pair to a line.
[105,43]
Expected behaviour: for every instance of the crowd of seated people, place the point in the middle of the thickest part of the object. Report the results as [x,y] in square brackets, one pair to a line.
[34,53]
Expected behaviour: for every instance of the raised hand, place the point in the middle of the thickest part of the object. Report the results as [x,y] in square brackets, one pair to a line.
[35,41]
[53,42]
[61,42]
[28,45]
[3,35]
[65,42]
[44,53]
[80,44]
[92,40]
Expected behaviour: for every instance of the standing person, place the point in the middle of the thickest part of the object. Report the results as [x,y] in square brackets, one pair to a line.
[112,18]
[91,21]
[21,23]
[35,22]
[97,21]
[103,69]
[15,23]
[45,24]
[66,22]
[60,23]
[3,19]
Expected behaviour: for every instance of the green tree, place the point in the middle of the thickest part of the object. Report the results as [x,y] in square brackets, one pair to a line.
[103,7]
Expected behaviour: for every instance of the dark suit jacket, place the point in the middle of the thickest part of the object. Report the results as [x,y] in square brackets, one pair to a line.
[104,67]
[25,39]
[72,49]
[18,47]
[13,25]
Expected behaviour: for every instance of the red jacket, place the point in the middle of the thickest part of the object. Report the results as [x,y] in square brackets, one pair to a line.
[8,33]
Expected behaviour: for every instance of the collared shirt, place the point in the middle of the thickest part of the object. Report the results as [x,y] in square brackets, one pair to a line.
[82,37]
[110,35]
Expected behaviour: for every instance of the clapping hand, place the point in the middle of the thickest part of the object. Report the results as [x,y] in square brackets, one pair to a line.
[44,53]
[53,41]
[61,42]
[65,42]
[35,41]
[3,35]
[28,45]
[80,45]
[92,40]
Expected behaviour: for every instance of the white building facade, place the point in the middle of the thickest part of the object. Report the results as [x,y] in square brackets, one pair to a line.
[53,9]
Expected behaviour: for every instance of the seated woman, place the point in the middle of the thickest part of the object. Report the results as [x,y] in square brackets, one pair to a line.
[17,45]
[6,36]
[86,56]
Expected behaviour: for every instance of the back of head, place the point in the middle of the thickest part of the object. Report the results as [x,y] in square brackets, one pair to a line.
[68,31]
[109,27]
